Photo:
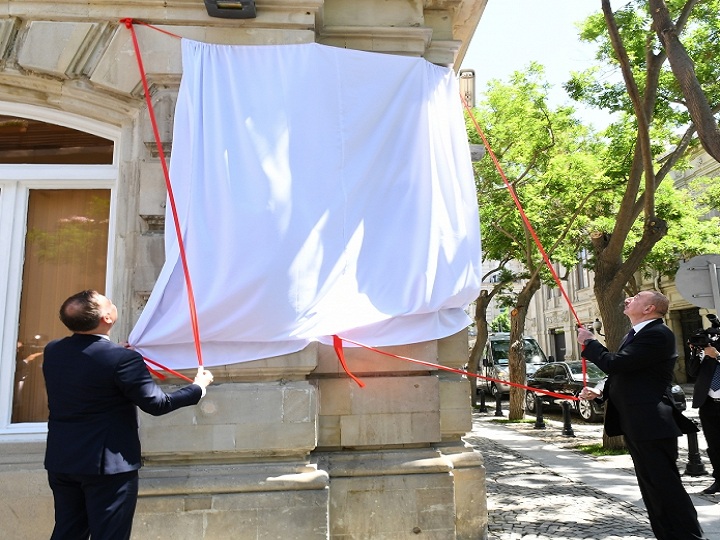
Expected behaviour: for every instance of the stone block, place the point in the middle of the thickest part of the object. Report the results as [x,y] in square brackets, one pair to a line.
[453,351]
[283,368]
[26,512]
[152,187]
[247,501]
[329,430]
[380,395]
[360,360]
[392,507]
[455,408]
[236,419]
[373,13]
[176,525]
[150,256]
[54,47]
[269,515]
[388,410]
[471,513]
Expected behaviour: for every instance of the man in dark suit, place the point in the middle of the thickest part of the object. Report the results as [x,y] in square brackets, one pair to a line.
[706,398]
[93,446]
[638,407]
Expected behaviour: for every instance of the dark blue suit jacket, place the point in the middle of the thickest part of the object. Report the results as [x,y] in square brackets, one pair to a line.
[93,388]
[639,376]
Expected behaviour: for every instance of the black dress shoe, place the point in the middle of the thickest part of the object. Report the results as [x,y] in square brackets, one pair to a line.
[715,488]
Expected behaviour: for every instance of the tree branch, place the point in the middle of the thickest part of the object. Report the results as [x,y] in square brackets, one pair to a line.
[684,70]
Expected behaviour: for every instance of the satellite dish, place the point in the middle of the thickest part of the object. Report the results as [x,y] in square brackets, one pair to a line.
[697,281]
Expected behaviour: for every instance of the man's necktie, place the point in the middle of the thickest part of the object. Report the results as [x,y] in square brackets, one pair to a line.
[715,383]
[628,338]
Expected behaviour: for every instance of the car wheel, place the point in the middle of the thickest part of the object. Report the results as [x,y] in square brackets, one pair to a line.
[493,390]
[530,402]
[586,411]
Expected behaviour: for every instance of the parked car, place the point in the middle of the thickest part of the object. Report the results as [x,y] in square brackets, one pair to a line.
[567,378]
[495,361]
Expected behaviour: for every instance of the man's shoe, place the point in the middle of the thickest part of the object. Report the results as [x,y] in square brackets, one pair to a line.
[715,488]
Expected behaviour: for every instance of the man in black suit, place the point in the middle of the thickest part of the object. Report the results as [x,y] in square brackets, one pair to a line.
[706,398]
[94,387]
[638,407]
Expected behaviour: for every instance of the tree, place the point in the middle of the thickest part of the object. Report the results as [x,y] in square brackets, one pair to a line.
[652,134]
[683,68]
[501,323]
[503,280]
[551,161]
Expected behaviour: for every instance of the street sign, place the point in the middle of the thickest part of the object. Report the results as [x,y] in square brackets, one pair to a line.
[697,281]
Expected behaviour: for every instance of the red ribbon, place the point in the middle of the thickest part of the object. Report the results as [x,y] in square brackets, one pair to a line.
[171,197]
[337,341]
[176,373]
[527,223]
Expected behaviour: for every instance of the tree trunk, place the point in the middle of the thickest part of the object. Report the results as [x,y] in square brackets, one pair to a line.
[516,362]
[481,325]
[613,443]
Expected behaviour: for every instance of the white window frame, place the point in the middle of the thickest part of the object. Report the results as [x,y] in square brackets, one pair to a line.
[16,181]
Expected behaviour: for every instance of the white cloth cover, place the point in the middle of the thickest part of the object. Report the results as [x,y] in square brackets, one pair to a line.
[320,191]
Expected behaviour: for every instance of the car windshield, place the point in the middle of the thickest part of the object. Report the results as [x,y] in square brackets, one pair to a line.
[594,373]
[533,354]
[531,350]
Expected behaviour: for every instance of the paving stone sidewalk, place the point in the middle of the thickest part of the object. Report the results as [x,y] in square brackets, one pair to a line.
[530,501]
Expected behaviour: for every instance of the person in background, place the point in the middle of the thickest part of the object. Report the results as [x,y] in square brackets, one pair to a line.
[706,398]
[94,387]
[639,407]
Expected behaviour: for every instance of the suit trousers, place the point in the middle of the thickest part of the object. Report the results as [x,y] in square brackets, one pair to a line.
[671,511]
[710,420]
[97,506]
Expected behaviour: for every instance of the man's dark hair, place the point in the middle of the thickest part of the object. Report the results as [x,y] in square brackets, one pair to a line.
[81,312]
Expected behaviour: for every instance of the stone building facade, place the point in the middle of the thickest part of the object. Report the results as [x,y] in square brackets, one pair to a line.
[284,447]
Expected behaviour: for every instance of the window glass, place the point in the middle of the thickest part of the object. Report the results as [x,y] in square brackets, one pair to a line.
[501,352]
[545,371]
[65,252]
[23,140]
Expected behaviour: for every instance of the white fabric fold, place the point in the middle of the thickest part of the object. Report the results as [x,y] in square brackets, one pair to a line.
[320,191]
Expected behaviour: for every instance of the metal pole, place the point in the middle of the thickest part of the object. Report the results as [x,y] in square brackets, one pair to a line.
[498,403]
[539,420]
[567,425]
[695,465]
[712,269]
[483,407]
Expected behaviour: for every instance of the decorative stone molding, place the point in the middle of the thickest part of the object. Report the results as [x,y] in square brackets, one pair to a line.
[155,224]
[556,318]
[140,301]
[407,41]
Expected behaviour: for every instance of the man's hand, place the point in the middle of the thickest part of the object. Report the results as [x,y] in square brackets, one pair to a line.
[590,393]
[711,351]
[203,378]
[584,334]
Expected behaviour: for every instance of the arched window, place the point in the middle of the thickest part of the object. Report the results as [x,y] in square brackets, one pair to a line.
[23,140]
[56,186]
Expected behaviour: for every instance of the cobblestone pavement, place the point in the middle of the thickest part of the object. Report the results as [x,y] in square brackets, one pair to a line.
[527,500]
